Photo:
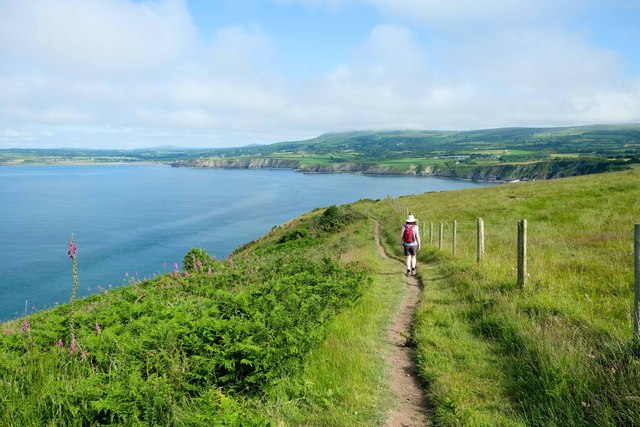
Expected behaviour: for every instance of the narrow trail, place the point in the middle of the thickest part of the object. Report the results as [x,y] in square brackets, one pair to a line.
[412,408]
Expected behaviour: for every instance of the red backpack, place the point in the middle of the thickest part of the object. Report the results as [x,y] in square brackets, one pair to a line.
[407,234]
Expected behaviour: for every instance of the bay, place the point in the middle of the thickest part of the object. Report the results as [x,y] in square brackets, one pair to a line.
[138,220]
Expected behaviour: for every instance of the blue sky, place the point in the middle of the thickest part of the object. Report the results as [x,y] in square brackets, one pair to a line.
[220,73]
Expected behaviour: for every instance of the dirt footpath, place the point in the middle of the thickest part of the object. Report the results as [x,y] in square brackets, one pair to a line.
[411,407]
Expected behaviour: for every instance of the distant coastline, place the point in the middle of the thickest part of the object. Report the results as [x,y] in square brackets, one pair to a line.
[491,174]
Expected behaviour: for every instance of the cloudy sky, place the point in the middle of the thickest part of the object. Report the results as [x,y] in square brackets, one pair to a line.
[221,73]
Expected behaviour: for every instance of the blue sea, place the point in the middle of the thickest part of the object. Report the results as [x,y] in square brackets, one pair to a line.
[138,220]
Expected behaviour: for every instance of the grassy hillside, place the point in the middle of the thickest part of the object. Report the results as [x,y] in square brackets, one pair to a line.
[265,337]
[559,352]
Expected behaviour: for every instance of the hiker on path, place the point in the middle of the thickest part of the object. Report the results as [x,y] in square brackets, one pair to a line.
[410,241]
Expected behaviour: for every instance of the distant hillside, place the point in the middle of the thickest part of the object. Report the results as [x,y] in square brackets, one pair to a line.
[599,139]
[504,154]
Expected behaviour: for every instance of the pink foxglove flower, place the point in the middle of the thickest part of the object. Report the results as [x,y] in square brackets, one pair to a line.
[60,344]
[26,326]
[74,347]
[72,249]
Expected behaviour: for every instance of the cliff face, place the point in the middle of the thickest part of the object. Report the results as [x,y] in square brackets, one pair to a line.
[239,163]
[506,172]
[531,171]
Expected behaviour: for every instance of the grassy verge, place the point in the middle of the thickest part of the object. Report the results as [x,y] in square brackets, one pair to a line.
[558,352]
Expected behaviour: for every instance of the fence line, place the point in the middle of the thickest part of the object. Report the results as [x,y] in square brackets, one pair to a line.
[522,273]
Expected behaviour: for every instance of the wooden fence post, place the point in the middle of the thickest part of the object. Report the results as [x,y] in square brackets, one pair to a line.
[522,252]
[636,299]
[480,248]
[454,238]
[431,233]
[440,235]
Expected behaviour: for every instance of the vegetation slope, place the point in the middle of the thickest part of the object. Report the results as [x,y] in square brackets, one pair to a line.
[264,337]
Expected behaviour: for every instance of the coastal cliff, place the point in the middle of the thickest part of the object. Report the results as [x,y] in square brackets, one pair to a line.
[495,173]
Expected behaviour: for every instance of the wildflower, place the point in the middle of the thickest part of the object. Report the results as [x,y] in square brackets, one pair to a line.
[6,331]
[126,274]
[98,328]
[209,272]
[74,347]
[76,284]
[84,354]
[175,268]
[72,249]
[60,344]
[230,262]
[26,326]
[99,289]
[213,258]
[246,254]
[186,274]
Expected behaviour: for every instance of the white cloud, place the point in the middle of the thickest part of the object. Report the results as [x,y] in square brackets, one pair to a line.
[522,76]
[97,36]
[124,73]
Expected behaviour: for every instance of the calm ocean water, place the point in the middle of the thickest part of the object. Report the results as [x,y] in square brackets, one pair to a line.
[140,219]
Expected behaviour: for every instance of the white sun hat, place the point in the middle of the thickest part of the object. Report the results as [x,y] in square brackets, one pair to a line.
[410,218]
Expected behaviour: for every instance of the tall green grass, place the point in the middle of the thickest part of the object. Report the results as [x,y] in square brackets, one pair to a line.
[559,352]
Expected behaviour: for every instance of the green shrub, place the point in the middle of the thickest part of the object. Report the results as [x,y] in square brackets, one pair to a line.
[295,234]
[335,218]
[190,260]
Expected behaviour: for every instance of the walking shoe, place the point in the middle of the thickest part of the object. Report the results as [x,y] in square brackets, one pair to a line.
[408,273]
[413,272]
